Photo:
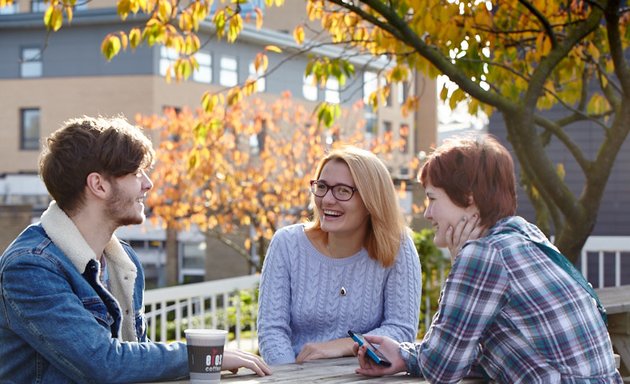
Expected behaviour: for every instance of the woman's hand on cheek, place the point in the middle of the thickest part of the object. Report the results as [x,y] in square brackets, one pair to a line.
[465,229]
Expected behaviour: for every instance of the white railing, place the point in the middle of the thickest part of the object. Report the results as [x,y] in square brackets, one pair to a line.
[602,246]
[211,304]
[218,304]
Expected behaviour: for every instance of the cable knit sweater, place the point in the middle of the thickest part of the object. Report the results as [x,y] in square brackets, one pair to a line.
[306,296]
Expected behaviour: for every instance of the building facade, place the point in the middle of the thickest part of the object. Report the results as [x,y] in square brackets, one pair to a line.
[46,79]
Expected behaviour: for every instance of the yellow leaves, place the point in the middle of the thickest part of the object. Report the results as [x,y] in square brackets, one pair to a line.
[165,9]
[210,101]
[597,105]
[561,171]
[53,18]
[259,17]
[186,22]
[123,7]
[543,45]
[298,35]
[398,73]
[191,44]
[235,28]
[273,48]
[410,105]
[135,37]
[111,46]
[5,3]
[184,68]
[193,160]
[220,20]
[327,113]
[234,96]
[457,96]
[261,62]
[137,5]
[250,87]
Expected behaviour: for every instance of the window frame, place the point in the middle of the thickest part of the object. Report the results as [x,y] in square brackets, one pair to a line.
[27,143]
[31,67]
[226,73]
[198,76]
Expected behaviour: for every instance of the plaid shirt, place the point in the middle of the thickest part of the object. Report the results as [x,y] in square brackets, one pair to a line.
[507,308]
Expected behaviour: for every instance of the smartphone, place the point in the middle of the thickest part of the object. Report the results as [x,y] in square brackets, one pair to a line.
[372,351]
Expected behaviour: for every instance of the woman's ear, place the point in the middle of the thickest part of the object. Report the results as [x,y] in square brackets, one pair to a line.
[472,206]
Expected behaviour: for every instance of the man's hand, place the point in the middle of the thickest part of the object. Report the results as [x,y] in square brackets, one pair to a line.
[466,229]
[389,348]
[235,359]
[326,350]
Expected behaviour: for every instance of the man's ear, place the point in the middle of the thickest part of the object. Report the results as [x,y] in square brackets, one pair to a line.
[97,185]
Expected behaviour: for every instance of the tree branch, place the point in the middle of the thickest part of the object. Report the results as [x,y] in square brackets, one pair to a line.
[543,20]
[400,30]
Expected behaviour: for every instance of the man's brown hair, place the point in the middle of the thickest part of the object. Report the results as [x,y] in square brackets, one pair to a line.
[109,146]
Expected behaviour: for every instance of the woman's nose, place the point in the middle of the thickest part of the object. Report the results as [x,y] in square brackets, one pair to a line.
[329,196]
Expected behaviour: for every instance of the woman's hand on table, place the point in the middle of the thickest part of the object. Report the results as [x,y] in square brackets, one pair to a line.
[235,359]
[325,350]
[386,346]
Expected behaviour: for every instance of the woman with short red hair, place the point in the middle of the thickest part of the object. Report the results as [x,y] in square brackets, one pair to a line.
[508,310]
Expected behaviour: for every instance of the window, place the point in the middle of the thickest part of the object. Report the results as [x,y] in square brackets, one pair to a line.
[29,129]
[332,91]
[31,62]
[309,89]
[168,57]
[387,127]
[38,6]
[259,76]
[10,9]
[370,126]
[228,74]
[203,74]
[404,136]
[370,84]
[403,92]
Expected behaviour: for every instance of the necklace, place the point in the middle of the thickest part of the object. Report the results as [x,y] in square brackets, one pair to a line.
[342,291]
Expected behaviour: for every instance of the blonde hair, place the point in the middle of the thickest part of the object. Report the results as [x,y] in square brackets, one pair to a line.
[374,184]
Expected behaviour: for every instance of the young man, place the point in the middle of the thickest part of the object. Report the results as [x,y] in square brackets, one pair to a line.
[71,294]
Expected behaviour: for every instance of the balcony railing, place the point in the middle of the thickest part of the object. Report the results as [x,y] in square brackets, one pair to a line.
[212,304]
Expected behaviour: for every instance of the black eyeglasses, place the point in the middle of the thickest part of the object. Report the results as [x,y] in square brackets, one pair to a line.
[340,192]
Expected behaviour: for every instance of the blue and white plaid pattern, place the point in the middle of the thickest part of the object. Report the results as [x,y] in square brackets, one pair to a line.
[507,308]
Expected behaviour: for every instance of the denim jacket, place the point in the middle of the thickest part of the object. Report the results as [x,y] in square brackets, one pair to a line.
[58,324]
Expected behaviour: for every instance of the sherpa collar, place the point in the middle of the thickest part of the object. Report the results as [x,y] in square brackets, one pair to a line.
[122,271]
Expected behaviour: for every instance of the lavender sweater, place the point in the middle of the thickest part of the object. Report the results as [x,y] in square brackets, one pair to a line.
[301,298]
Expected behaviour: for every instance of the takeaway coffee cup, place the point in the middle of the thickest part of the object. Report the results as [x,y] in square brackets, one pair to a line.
[205,354]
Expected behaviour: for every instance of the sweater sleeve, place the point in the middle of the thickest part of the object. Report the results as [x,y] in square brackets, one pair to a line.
[403,290]
[274,310]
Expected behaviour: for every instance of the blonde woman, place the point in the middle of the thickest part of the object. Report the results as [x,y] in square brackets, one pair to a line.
[353,267]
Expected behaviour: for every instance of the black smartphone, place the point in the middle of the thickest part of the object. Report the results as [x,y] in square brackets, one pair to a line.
[372,351]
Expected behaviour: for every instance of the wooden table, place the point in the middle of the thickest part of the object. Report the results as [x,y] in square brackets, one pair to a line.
[325,371]
[616,300]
